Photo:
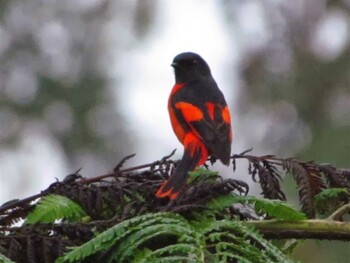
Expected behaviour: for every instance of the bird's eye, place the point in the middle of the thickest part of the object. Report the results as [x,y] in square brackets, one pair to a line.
[194,61]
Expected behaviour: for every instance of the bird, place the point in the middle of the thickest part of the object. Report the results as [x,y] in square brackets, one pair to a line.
[200,119]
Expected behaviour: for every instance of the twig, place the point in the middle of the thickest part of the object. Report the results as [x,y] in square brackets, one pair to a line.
[166,157]
[121,163]
[98,178]
[21,202]
[339,213]
[244,152]
[70,178]
[118,172]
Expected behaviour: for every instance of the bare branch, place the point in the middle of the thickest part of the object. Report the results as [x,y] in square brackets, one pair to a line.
[305,229]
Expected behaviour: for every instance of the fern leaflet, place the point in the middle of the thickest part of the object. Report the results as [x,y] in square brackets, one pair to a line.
[54,207]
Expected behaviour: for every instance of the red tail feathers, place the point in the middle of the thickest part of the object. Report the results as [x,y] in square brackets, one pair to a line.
[177,180]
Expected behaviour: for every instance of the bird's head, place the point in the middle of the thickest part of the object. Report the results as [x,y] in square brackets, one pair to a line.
[189,66]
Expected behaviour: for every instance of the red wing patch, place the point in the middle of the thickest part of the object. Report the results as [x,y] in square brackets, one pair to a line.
[189,111]
[227,118]
[211,109]
[178,130]
[226,115]
[193,144]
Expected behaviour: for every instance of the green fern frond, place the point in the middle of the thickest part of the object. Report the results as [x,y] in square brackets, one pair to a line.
[54,207]
[4,259]
[176,239]
[173,259]
[274,208]
[331,193]
[233,244]
[274,252]
[171,252]
[240,240]
[234,249]
[210,176]
[330,199]
[129,245]
[129,235]
[219,203]
[176,248]
[225,257]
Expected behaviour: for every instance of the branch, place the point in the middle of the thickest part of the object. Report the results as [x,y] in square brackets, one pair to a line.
[339,213]
[116,172]
[304,229]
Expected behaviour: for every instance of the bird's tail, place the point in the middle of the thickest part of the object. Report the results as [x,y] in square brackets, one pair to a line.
[190,160]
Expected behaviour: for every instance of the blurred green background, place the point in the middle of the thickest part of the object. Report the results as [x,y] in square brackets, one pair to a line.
[85,82]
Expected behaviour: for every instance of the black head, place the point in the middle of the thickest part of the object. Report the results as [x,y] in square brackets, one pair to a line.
[189,66]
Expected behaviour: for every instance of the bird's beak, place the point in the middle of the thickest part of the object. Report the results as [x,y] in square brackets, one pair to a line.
[174,64]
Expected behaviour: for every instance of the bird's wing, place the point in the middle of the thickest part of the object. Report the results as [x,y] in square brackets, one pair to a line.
[211,123]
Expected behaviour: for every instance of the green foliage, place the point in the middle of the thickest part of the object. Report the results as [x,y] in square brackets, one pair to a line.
[4,259]
[287,245]
[169,237]
[200,172]
[221,202]
[235,240]
[331,194]
[54,207]
[195,229]
[131,234]
[274,208]
[327,200]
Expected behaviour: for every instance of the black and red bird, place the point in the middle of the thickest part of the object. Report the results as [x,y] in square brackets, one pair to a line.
[200,119]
